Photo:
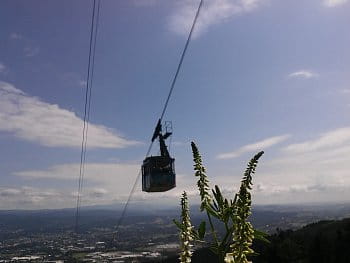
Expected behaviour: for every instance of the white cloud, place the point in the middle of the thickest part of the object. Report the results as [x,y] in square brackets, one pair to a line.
[257,146]
[275,189]
[39,198]
[21,197]
[115,179]
[305,74]
[330,139]
[94,172]
[43,198]
[34,120]
[301,193]
[320,175]
[106,183]
[311,171]
[307,171]
[316,170]
[317,174]
[334,3]
[213,12]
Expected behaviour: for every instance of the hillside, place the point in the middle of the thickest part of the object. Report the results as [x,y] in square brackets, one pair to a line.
[325,241]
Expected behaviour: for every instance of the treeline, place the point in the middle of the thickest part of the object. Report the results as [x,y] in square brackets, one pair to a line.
[325,241]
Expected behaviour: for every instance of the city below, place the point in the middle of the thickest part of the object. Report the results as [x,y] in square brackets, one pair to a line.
[50,236]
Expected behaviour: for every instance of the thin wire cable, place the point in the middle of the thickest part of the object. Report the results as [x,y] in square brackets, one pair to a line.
[129,197]
[90,92]
[162,115]
[181,60]
[87,104]
[84,121]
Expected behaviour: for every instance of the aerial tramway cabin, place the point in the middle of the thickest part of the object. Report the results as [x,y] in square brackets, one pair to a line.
[158,172]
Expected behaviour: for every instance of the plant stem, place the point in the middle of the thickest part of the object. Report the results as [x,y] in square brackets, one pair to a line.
[214,234]
[226,227]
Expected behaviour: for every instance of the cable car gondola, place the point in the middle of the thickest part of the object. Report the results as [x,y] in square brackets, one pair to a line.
[158,172]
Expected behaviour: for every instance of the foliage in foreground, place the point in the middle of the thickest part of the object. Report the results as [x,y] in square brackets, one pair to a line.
[235,245]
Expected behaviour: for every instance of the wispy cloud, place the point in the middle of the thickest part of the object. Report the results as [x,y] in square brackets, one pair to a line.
[300,190]
[26,197]
[96,172]
[309,171]
[334,3]
[293,176]
[34,120]
[114,178]
[328,140]
[257,146]
[304,74]
[213,12]
[111,182]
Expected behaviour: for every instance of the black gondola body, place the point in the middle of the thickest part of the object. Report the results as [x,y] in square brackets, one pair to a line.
[158,172]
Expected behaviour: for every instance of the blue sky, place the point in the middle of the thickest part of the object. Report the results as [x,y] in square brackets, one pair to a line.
[259,75]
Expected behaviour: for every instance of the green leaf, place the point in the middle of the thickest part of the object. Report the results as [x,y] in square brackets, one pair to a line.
[261,236]
[211,211]
[194,234]
[201,230]
[226,240]
[178,224]
[219,195]
[214,248]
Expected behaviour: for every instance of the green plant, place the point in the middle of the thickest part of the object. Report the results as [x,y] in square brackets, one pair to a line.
[186,231]
[235,245]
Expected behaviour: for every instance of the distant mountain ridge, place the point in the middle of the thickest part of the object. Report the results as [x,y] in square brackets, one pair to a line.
[267,218]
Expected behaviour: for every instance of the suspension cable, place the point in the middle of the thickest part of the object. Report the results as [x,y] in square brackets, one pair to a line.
[181,60]
[161,116]
[87,104]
